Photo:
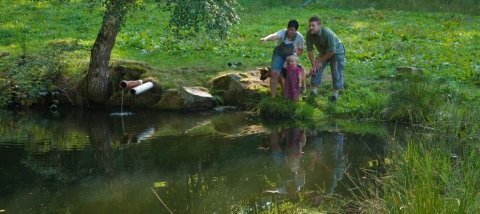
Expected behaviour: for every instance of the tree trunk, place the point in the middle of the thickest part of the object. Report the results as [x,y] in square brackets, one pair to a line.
[98,76]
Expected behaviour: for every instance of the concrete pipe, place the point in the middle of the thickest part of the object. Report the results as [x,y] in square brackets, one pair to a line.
[130,84]
[141,88]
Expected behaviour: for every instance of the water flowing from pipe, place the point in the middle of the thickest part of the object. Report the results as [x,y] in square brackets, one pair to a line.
[121,104]
[121,109]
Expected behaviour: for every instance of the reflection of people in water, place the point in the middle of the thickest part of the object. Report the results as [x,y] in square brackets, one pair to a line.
[289,171]
[327,164]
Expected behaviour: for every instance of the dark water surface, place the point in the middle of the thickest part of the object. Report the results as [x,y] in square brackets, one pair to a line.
[90,161]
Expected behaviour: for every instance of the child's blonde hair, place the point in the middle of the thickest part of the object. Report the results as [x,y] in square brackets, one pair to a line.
[292,57]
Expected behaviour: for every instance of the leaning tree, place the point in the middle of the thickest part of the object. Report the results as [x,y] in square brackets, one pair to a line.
[98,76]
[210,16]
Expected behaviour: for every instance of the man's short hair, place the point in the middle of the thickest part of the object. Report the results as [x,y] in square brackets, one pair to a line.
[315,19]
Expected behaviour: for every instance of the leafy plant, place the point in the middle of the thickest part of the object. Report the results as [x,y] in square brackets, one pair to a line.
[213,17]
[34,79]
[217,94]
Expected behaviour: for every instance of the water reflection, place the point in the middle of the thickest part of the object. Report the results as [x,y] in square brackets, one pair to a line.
[91,162]
[133,137]
[327,165]
[291,176]
[319,173]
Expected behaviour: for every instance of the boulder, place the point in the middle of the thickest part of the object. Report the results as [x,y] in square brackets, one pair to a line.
[186,98]
[237,88]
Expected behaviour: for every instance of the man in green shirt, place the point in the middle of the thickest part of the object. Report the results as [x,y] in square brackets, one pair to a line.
[331,51]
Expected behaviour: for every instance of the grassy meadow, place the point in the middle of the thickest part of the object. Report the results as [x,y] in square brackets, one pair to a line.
[440,37]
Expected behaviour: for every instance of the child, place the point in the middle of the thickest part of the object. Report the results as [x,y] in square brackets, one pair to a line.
[293,80]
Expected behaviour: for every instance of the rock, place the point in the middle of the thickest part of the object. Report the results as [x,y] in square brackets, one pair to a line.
[237,89]
[197,98]
[186,98]
[170,100]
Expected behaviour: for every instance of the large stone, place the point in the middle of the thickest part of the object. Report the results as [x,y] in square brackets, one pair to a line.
[197,98]
[237,88]
[186,98]
[170,100]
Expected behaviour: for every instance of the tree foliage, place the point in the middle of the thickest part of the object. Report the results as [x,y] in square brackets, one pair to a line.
[213,17]
[120,8]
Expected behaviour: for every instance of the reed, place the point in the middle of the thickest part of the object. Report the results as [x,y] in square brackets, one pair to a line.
[429,179]
[434,171]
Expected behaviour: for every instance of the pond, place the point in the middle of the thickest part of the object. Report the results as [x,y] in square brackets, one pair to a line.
[95,161]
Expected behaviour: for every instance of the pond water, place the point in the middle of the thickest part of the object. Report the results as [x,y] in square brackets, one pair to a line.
[95,161]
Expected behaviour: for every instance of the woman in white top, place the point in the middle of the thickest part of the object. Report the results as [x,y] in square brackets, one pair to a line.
[289,42]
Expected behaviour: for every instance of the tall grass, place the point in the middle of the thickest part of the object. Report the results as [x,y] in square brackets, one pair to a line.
[434,170]
[415,98]
[428,179]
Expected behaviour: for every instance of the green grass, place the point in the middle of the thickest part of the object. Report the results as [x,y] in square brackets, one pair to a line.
[379,36]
